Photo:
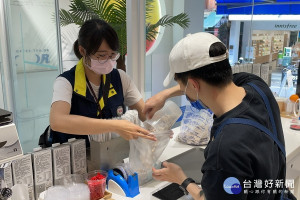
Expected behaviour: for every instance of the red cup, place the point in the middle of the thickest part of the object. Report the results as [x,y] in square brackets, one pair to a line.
[96,181]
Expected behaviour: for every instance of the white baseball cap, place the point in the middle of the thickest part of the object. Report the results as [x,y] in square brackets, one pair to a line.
[192,52]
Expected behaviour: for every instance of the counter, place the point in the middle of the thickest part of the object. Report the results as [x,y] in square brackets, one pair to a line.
[292,148]
[174,148]
[292,139]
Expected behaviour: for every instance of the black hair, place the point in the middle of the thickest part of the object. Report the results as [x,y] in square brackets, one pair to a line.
[216,74]
[91,35]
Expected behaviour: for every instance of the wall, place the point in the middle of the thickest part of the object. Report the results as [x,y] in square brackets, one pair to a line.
[157,64]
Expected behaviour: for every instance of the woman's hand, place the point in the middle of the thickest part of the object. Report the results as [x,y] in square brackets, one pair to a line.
[129,131]
[171,173]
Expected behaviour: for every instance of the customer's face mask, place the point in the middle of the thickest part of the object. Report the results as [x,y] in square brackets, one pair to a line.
[102,68]
[198,104]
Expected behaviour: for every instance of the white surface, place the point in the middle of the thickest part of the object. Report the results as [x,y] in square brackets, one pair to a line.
[292,147]
[292,139]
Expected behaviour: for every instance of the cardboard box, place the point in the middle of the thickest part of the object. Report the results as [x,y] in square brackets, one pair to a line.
[78,156]
[61,160]
[42,170]
[10,147]
[6,174]
[23,174]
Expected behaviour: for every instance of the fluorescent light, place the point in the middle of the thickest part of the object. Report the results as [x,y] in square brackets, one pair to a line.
[264,17]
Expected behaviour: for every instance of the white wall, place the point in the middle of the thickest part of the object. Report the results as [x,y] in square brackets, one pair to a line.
[195,10]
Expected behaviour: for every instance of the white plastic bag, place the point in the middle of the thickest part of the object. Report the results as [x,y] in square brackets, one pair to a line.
[195,126]
[144,153]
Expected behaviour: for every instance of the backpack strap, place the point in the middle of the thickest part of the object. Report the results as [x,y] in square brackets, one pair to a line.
[267,104]
[254,124]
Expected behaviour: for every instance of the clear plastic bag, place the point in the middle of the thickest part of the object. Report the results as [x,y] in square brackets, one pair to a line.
[144,154]
[195,126]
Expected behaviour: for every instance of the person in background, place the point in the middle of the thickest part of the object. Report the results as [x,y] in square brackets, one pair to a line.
[87,96]
[239,151]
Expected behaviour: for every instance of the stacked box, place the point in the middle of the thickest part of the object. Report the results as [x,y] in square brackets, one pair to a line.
[42,170]
[61,160]
[264,72]
[256,69]
[22,173]
[78,156]
[6,174]
[249,67]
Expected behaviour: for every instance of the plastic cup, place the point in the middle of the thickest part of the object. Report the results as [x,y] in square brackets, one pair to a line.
[96,181]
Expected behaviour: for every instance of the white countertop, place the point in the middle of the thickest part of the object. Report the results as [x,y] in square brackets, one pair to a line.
[292,139]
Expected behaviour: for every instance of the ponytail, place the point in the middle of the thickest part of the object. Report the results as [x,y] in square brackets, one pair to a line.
[76,49]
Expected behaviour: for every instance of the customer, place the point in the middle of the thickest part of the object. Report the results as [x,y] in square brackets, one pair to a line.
[93,91]
[238,148]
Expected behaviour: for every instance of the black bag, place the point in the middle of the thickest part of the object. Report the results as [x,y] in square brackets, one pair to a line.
[46,138]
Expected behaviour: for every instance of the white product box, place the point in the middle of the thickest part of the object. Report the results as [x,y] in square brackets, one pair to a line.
[249,67]
[78,156]
[10,147]
[61,160]
[6,174]
[242,67]
[256,69]
[42,170]
[237,68]
[22,173]
[264,72]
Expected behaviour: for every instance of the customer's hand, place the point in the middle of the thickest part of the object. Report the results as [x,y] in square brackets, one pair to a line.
[129,131]
[171,173]
[153,104]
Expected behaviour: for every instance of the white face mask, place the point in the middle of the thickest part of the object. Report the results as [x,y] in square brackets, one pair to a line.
[102,68]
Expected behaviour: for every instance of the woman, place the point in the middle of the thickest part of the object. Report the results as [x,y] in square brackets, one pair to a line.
[93,90]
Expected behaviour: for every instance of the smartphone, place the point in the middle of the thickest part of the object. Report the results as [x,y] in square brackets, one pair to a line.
[170,192]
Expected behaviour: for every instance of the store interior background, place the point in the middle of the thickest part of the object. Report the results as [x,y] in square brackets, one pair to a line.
[35,49]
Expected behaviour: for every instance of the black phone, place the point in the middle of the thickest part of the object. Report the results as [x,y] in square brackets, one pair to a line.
[170,192]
